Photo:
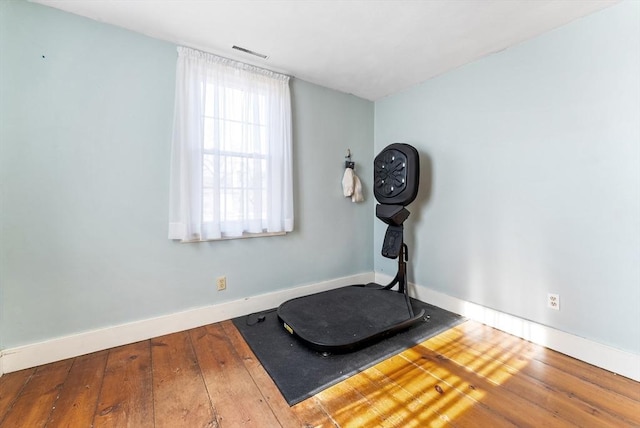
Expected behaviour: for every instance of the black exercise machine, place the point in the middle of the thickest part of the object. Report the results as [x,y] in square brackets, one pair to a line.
[348,318]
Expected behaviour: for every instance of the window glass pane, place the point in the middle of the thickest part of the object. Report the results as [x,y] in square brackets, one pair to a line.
[226,172]
[254,172]
[234,104]
[225,180]
[209,100]
[262,107]
[253,201]
[232,201]
[207,205]
[263,140]
[209,136]
[208,171]
[232,137]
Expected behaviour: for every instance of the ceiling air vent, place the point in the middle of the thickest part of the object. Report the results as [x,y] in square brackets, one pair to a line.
[250,52]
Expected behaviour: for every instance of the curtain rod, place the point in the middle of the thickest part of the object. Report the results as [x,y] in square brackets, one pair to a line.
[232,62]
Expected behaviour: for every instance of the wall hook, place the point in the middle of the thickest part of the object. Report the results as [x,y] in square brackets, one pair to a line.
[348,163]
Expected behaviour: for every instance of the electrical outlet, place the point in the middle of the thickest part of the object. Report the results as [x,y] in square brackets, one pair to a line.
[221,283]
[553,301]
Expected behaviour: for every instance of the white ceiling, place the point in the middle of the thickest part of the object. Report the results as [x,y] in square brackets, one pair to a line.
[365,47]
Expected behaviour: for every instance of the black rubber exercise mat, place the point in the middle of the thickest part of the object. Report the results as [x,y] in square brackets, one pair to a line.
[300,372]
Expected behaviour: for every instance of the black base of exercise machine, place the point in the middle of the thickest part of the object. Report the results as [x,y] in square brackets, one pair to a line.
[349,318]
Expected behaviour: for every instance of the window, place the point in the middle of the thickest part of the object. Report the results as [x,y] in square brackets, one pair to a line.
[231,151]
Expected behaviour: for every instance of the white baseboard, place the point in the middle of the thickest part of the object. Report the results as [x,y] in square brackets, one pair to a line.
[61,348]
[35,354]
[615,360]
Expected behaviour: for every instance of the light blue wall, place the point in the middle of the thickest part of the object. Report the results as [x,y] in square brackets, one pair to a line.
[85,126]
[534,182]
[531,182]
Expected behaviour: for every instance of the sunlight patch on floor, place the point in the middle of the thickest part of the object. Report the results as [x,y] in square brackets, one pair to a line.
[422,387]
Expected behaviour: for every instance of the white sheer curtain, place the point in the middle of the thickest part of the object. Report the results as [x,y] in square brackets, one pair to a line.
[231,153]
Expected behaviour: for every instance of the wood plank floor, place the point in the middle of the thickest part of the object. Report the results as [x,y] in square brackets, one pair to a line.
[469,376]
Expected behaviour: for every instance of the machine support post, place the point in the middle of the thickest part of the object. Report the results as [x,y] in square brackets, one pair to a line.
[402,268]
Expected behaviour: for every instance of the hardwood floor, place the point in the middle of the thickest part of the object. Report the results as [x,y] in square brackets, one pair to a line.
[469,376]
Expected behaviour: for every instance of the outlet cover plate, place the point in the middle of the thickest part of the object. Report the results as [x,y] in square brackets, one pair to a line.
[553,301]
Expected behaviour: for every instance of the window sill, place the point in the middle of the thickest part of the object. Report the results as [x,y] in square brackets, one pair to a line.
[243,236]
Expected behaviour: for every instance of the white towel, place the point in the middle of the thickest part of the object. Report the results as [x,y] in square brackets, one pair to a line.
[348,182]
[357,190]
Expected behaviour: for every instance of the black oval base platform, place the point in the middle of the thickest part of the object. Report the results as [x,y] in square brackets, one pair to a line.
[348,318]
